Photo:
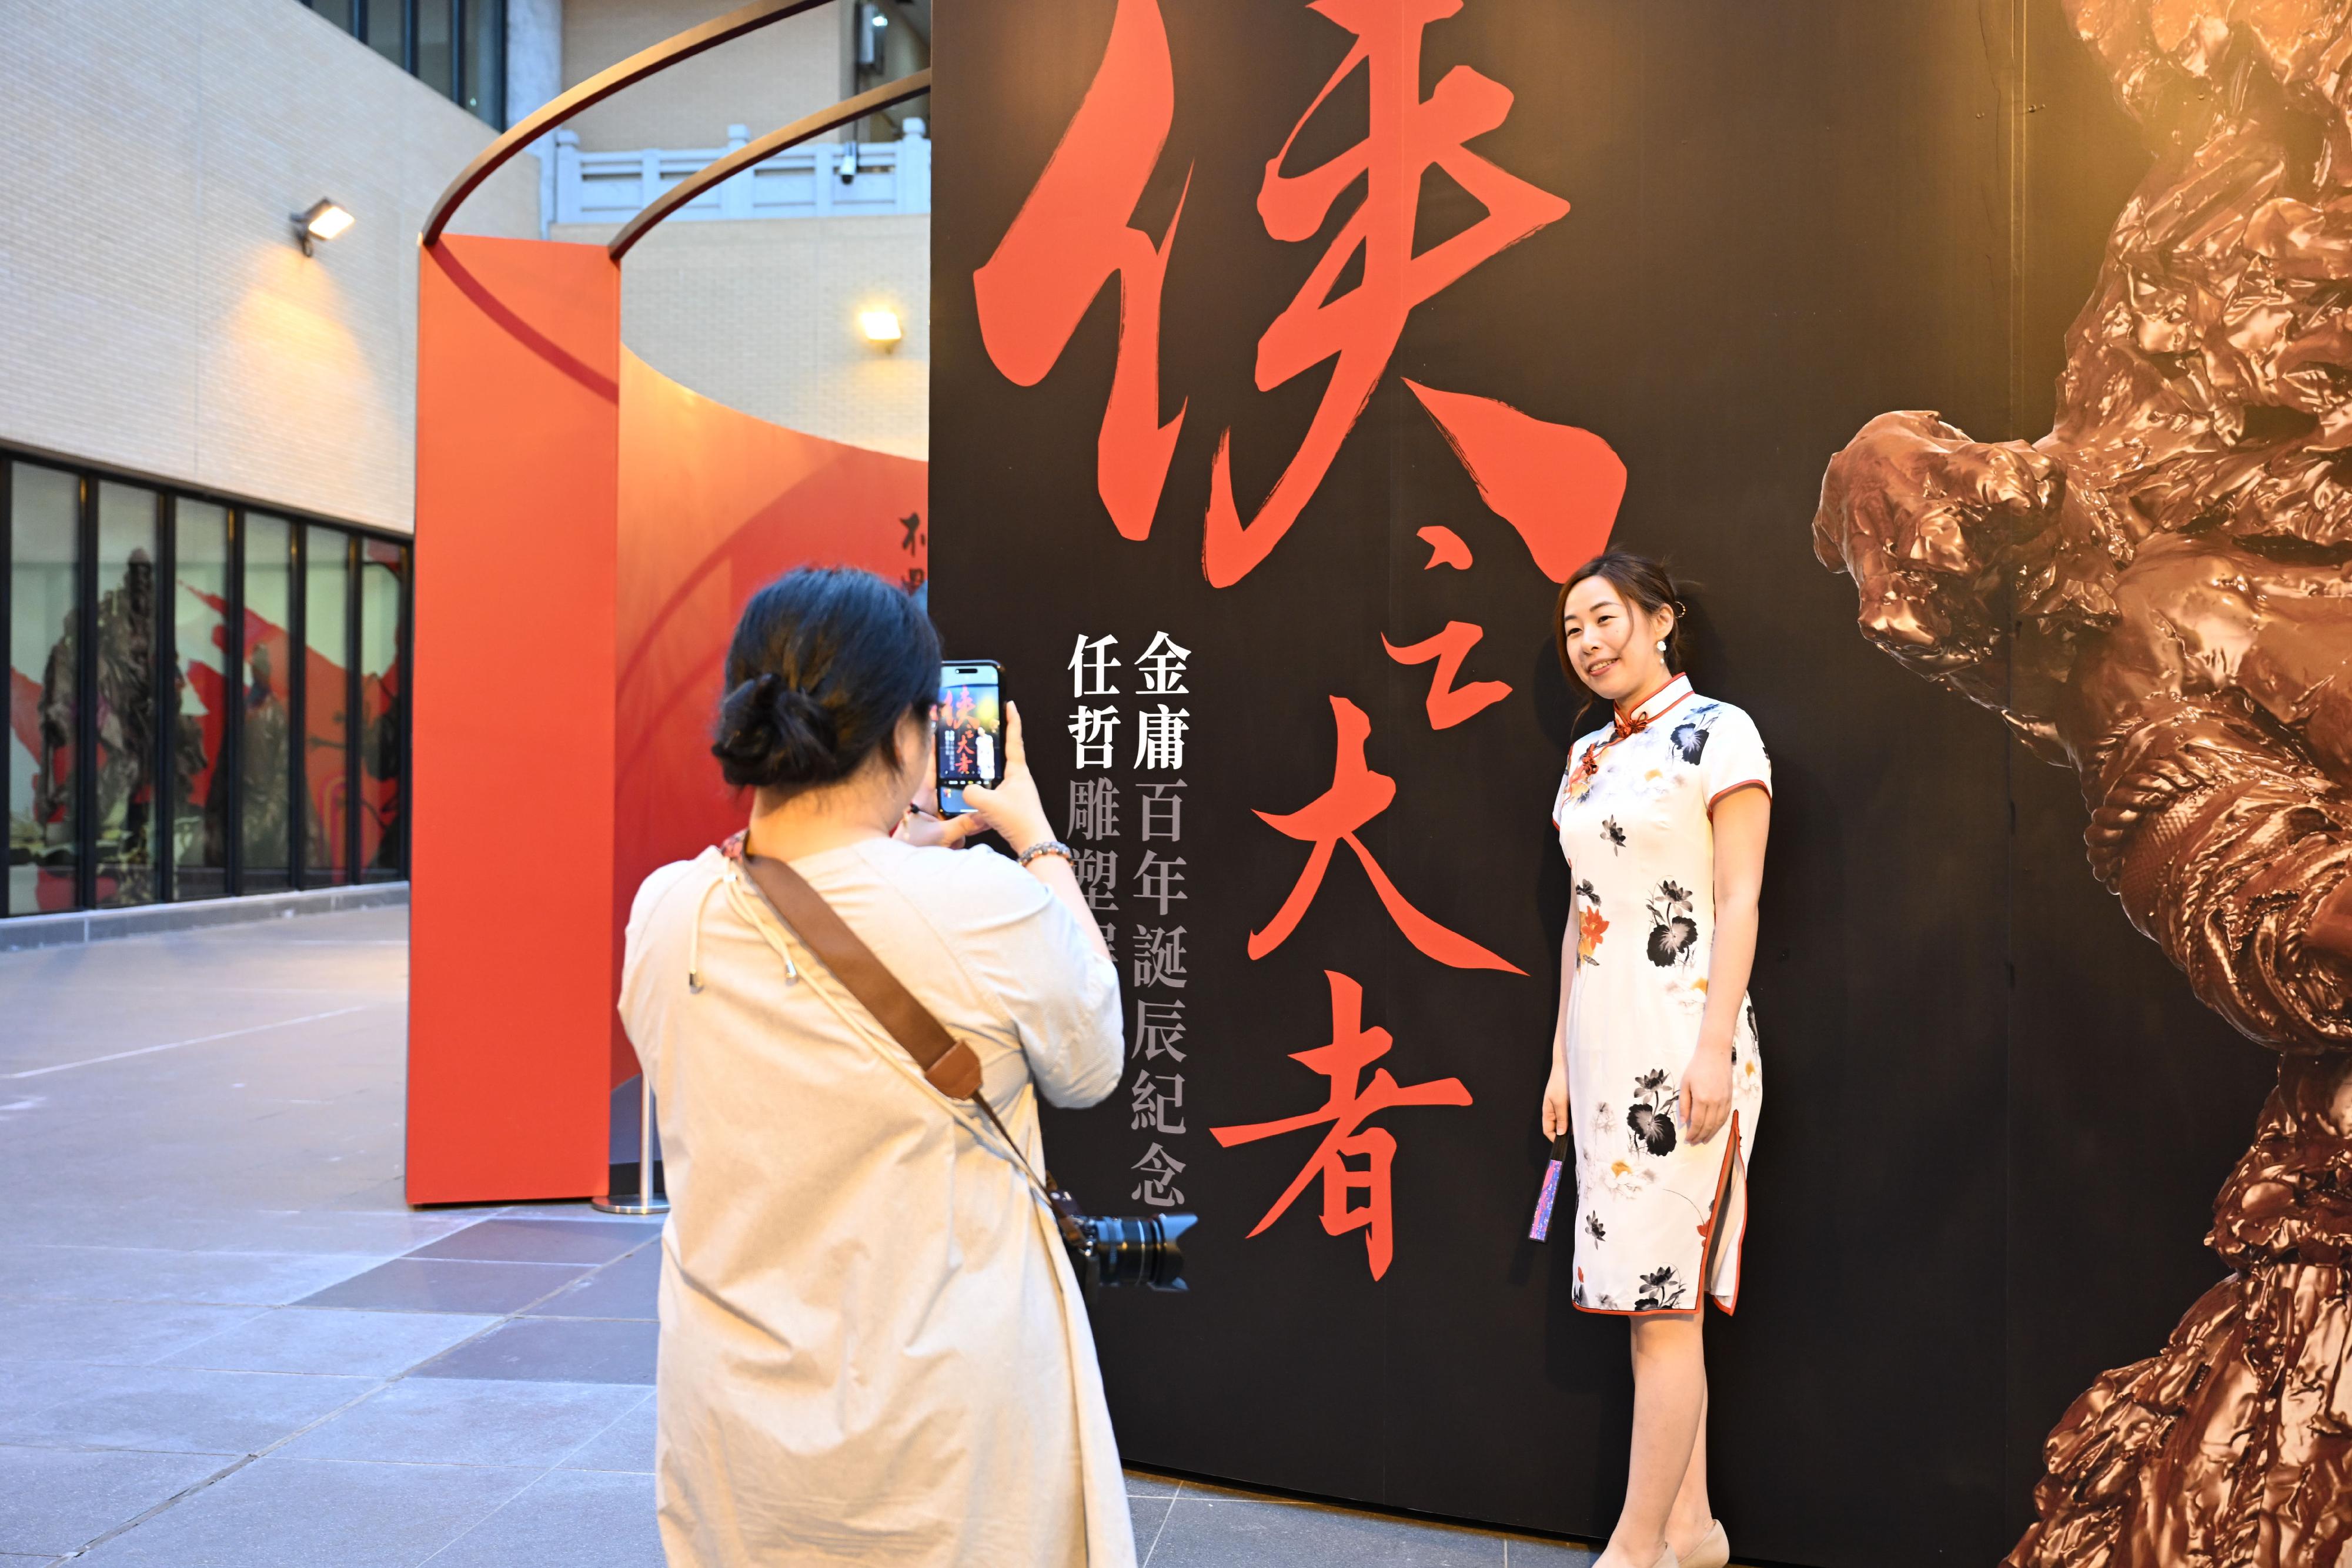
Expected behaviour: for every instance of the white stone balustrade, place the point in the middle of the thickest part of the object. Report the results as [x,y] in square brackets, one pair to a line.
[815,180]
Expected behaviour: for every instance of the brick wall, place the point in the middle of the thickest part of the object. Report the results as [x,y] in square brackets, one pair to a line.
[761,314]
[154,311]
[768,78]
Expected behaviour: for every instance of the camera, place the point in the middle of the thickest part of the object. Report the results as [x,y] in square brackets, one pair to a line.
[1144,1249]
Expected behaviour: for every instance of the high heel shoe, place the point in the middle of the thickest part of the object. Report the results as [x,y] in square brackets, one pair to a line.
[1713,1551]
[1666,1559]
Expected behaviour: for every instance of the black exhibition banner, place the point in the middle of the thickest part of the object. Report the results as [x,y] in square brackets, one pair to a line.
[1287,355]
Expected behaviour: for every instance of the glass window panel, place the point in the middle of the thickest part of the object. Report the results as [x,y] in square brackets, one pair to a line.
[384,715]
[436,57]
[199,833]
[268,703]
[339,12]
[326,708]
[45,508]
[485,75]
[387,30]
[128,807]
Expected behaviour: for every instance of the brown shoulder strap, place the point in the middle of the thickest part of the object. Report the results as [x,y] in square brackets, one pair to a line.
[947,1063]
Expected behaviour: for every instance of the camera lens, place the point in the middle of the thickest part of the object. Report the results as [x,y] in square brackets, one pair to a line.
[1141,1251]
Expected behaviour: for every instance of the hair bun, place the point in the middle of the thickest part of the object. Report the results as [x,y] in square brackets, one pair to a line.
[772,736]
[827,668]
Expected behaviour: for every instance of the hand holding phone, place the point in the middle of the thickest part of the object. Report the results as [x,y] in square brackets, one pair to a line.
[926,829]
[1013,809]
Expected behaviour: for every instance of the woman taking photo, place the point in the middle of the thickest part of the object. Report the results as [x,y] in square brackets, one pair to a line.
[872,1349]
[1661,815]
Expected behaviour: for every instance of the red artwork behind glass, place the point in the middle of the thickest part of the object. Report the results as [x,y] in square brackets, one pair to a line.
[323,757]
[53,778]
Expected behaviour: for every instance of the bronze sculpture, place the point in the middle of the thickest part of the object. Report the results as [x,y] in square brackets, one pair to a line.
[2159,594]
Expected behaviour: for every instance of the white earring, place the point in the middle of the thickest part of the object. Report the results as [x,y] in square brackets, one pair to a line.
[1662,644]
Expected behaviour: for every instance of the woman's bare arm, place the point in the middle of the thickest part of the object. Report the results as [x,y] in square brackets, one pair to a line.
[1743,819]
[1555,1103]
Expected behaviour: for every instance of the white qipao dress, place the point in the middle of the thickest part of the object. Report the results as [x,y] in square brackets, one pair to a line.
[1659,1221]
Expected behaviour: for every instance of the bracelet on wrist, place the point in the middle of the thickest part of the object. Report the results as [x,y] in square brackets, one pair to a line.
[1043,847]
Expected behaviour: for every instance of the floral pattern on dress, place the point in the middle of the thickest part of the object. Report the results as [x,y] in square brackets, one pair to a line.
[1673,933]
[1591,928]
[1632,813]
[1623,1178]
[1661,1292]
[1651,1117]
[1589,925]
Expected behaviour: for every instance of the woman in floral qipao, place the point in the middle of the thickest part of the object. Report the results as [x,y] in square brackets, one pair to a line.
[1663,815]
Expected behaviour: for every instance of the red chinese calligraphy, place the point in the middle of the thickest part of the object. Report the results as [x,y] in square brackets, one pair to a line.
[1448,703]
[1071,236]
[1408,133]
[1348,1107]
[1445,545]
[1358,794]
[1560,487]
[1074,235]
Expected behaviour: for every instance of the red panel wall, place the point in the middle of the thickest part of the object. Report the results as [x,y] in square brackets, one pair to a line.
[588,531]
[512,976]
[713,503]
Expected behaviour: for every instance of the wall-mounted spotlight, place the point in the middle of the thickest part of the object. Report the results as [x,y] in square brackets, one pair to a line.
[881,327]
[322,220]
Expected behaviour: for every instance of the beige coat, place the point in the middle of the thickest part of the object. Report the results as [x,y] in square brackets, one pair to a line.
[872,1350]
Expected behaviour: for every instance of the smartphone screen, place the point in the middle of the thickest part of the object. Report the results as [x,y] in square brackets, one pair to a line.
[971,730]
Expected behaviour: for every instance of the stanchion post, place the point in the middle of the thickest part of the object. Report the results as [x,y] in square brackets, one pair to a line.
[644,1202]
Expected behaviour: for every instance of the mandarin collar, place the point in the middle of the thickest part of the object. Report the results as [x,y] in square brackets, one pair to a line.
[1659,701]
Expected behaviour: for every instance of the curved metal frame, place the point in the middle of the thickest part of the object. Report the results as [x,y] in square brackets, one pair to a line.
[720,169]
[601,86]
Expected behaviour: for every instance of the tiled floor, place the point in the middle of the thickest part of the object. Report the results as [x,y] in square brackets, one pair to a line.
[224,1339]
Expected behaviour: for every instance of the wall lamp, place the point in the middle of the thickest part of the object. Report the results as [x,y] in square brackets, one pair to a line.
[322,220]
[881,327]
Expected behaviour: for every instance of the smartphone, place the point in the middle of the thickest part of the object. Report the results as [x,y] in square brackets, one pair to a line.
[971,730]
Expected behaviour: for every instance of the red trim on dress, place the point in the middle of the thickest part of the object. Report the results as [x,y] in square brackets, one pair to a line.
[1739,1270]
[1706,1230]
[1621,729]
[1734,789]
[1686,697]
[1722,1185]
[1688,693]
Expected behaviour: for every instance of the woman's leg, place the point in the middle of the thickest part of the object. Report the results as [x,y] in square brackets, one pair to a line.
[1693,1515]
[1669,1404]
